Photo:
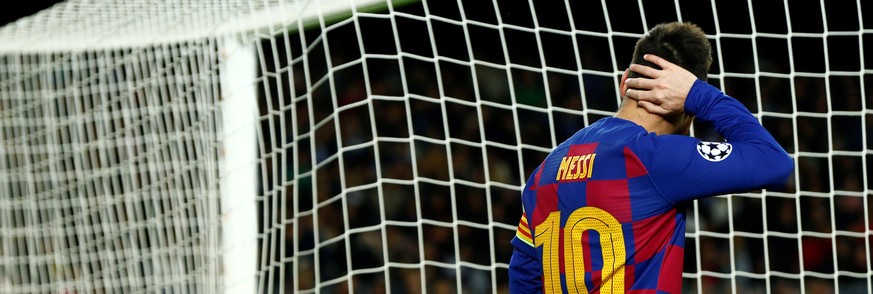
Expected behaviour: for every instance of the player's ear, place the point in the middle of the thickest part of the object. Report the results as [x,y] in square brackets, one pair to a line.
[622,85]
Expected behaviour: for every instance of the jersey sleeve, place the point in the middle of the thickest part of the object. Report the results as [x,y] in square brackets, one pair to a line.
[525,275]
[685,168]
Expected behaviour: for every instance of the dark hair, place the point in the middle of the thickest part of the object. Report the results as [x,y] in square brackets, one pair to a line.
[683,44]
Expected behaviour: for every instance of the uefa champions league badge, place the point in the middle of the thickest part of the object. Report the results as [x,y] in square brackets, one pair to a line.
[714,151]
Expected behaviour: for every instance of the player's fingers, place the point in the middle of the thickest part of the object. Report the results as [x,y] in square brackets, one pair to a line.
[652,108]
[641,83]
[641,95]
[663,63]
[644,70]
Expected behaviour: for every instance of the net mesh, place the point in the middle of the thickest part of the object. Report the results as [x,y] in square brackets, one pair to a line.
[108,178]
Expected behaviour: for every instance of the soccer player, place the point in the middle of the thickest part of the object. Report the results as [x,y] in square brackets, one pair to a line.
[605,211]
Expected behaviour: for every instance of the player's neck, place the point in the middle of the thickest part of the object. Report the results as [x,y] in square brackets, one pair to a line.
[651,122]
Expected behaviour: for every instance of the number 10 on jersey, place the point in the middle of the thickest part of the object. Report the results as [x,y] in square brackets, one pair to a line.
[548,235]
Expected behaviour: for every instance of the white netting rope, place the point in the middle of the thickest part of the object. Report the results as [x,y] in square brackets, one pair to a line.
[109,182]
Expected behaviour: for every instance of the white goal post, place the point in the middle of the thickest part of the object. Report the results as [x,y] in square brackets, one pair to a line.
[379,146]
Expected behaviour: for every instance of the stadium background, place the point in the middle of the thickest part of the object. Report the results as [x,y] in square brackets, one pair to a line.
[817,134]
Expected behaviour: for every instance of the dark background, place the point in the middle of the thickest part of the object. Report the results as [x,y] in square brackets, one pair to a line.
[11,12]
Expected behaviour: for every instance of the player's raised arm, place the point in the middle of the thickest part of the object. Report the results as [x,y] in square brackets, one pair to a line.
[749,159]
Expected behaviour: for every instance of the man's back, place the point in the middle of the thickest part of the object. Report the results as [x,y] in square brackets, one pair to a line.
[610,218]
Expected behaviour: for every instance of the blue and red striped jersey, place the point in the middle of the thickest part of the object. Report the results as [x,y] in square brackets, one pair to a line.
[605,210]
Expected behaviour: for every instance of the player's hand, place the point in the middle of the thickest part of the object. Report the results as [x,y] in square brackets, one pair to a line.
[660,91]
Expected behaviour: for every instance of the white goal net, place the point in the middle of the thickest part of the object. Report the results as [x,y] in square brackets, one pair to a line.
[378,146]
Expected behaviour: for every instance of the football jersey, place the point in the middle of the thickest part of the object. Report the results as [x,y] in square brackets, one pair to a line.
[605,210]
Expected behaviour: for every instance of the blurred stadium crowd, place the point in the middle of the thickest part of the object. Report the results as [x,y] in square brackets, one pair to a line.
[412,155]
